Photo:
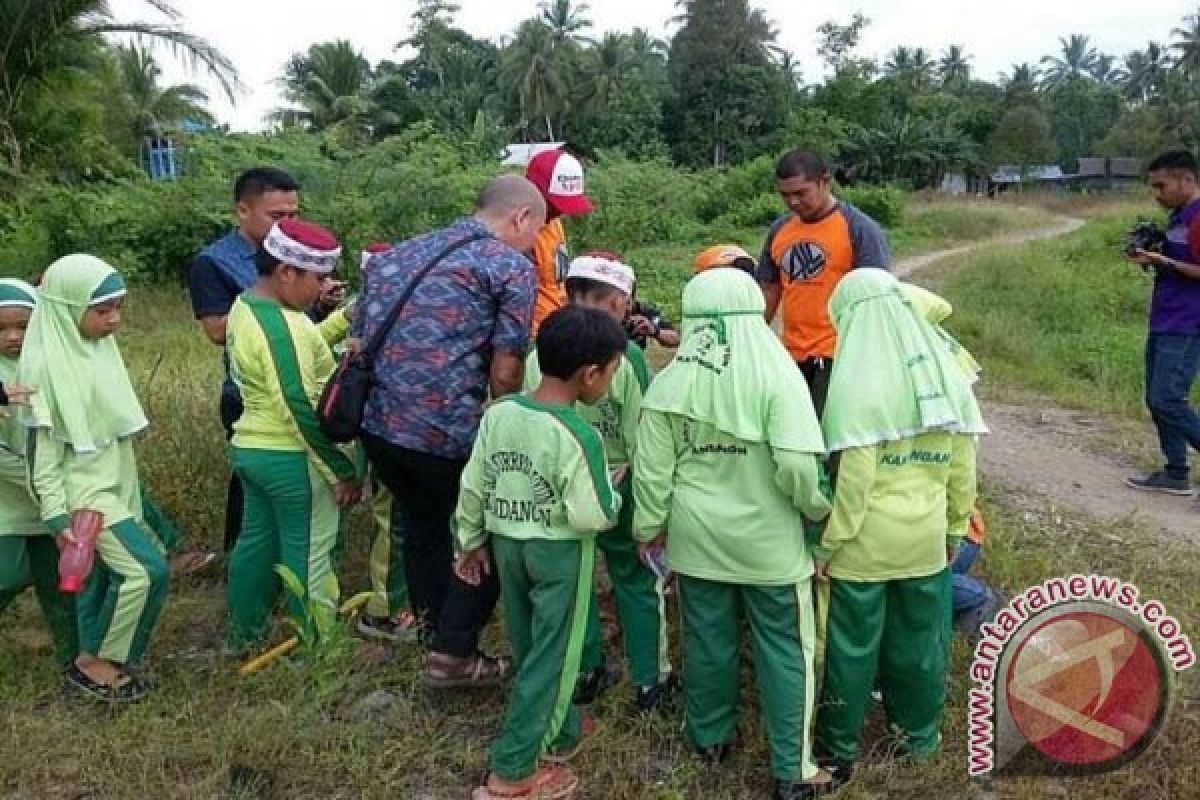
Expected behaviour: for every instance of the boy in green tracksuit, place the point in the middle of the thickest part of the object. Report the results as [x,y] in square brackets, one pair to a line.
[81,422]
[28,554]
[535,493]
[295,479]
[902,415]
[602,282]
[728,471]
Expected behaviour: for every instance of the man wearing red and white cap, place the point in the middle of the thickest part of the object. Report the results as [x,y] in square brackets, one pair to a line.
[559,176]
[295,479]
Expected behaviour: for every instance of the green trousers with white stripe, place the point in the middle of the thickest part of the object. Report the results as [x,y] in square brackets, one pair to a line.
[782,638]
[33,560]
[641,607]
[547,587]
[289,517]
[121,600]
[389,590]
[896,629]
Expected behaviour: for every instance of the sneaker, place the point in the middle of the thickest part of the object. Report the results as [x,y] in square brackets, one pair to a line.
[653,698]
[595,682]
[1163,483]
[401,628]
[129,689]
[801,790]
[444,671]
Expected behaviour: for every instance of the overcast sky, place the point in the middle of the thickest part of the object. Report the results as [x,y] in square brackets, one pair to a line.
[260,35]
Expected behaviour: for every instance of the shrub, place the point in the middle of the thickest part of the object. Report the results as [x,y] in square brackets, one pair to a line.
[884,204]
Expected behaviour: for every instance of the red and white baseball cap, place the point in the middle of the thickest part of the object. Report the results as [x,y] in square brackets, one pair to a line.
[560,177]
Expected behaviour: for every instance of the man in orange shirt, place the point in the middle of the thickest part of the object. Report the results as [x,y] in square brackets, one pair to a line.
[807,253]
[560,177]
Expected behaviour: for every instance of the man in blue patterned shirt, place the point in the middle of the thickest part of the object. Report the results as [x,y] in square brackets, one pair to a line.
[464,332]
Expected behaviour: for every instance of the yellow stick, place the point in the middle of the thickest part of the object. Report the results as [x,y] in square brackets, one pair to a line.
[259,663]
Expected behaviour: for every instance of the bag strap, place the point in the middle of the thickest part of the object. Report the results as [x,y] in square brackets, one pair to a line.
[376,343]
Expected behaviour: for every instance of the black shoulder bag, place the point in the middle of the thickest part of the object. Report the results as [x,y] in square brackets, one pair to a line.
[344,399]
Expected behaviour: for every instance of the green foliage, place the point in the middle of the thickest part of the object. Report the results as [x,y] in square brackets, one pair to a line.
[884,204]
[1023,138]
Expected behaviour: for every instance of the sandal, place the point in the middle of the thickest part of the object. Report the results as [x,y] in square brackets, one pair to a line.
[547,783]
[586,728]
[129,690]
[191,562]
[444,671]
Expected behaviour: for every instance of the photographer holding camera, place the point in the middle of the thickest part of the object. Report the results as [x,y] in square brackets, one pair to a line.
[1173,345]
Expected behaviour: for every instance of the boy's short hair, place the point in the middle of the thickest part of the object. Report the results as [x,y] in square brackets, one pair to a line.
[803,164]
[265,263]
[1181,160]
[257,181]
[575,337]
[579,289]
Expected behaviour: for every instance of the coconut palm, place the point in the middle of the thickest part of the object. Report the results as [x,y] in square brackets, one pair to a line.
[911,64]
[954,67]
[41,40]
[535,73]
[1187,44]
[1077,59]
[1145,72]
[566,21]
[153,107]
[326,85]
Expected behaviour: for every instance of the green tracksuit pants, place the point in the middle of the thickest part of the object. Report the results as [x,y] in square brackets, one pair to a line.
[26,560]
[157,521]
[121,600]
[389,591]
[547,587]
[289,517]
[896,630]
[782,637]
[641,607]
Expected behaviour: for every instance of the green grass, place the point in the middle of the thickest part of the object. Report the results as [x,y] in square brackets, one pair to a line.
[307,730]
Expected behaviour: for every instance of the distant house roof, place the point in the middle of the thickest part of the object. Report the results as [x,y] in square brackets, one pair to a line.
[1092,167]
[1012,174]
[1125,167]
[519,155]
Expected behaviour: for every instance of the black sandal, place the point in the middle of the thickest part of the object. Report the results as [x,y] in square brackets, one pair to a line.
[131,691]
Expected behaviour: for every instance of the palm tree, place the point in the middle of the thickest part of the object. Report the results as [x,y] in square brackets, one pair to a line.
[566,21]
[1106,70]
[911,64]
[533,70]
[42,39]
[1187,45]
[329,84]
[1145,71]
[1077,59]
[154,107]
[954,67]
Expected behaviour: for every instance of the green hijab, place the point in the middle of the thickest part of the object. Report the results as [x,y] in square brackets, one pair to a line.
[893,377]
[732,372]
[83,394]
[936,310]
[13,294]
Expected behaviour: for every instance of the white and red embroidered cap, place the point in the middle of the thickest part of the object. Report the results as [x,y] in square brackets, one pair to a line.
[371,250]
[560,177]
[604,270]
[303,245]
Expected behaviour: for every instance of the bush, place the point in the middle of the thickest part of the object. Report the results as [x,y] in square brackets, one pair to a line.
[637,203]
[884,204]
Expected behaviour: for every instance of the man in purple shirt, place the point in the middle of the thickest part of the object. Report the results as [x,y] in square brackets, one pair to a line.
[1173,346]
[462,336]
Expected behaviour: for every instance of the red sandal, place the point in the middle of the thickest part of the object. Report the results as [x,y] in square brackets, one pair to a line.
[547,783]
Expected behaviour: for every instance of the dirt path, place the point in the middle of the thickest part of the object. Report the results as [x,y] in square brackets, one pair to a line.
[1065,459]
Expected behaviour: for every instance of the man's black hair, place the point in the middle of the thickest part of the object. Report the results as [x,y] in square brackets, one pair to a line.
[1176,159]
[588,288]
[574,337]
[258,181]
[801,164]
[265,263]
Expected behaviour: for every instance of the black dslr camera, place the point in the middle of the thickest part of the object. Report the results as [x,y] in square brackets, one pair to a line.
[1146,236]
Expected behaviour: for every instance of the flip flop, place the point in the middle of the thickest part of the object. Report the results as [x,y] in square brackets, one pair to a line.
[548,783]
[131,690]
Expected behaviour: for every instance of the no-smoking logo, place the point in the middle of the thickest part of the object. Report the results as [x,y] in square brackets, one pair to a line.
[804,261]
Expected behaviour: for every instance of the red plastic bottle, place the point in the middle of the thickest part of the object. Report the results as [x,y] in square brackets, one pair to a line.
[77,557]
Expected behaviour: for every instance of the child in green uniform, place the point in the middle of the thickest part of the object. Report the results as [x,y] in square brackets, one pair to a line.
[81,421]
[728,470]
[535,493]
[295,479]
[601,282]
[28,554]
[902,415]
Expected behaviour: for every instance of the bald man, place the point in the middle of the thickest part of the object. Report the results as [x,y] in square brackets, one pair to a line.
[463,333]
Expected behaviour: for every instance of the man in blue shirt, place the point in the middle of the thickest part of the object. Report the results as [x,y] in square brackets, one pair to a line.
[462,335]
[223,270]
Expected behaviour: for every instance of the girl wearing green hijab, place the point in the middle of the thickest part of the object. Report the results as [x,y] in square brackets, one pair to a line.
[727,469]
[81,422]
[27,551]
[902,415]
